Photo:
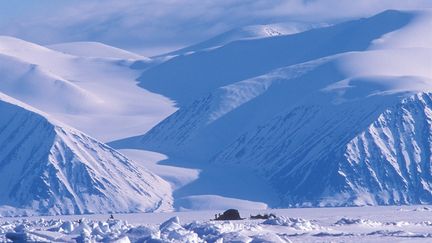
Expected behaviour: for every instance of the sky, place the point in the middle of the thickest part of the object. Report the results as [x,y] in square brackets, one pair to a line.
[151,27]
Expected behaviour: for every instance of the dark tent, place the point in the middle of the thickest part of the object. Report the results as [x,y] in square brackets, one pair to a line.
[230,214]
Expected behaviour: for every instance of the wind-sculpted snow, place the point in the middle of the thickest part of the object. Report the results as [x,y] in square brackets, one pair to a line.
[120,231]
[111,230]
[349,221]
[49,168]
[371,224]
[296,223]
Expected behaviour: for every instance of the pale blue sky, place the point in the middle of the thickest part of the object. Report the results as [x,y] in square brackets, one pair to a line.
[153,26]
[13,9]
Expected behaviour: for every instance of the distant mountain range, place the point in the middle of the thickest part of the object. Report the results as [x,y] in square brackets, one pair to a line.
[331,116]
[328,115]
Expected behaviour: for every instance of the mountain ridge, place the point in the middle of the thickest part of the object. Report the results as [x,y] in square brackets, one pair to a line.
[49,168]
[292,124]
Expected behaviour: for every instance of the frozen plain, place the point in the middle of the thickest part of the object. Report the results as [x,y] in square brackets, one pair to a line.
[346,224]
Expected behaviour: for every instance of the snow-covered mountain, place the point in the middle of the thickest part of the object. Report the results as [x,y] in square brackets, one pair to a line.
[247,33]
[98,96]
[49,168]
[337,115]
[203,72]
[309,115]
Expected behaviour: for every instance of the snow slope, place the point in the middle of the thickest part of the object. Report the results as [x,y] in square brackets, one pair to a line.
[49,168]
[203,72]
[96,95]
[32,84]
[246,33]
[331,116]
[93,49]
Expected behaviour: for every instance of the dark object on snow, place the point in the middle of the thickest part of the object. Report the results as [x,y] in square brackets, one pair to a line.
[19,237]
[230,214]
[264,216]
[111,216]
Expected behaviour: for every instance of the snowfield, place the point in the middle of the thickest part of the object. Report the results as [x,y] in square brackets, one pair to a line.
[94,49]
[366,224]
[96,95]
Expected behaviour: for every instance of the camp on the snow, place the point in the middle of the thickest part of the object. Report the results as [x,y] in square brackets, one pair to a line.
[230,214]
[263,216]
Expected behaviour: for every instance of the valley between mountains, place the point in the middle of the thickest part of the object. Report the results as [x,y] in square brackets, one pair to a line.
[265,116]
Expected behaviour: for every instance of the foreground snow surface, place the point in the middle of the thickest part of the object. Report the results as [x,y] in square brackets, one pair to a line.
[363,224]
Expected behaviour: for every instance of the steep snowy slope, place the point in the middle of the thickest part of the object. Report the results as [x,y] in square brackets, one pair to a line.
[214,121]
[220,115]
[96,95]
[316,157]
[49,168]
[390,161]
[93,49]
[299,123]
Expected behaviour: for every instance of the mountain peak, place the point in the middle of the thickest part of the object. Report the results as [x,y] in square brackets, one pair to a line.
[50,168]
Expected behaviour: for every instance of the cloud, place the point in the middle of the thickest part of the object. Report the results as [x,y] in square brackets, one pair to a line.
[164,24]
